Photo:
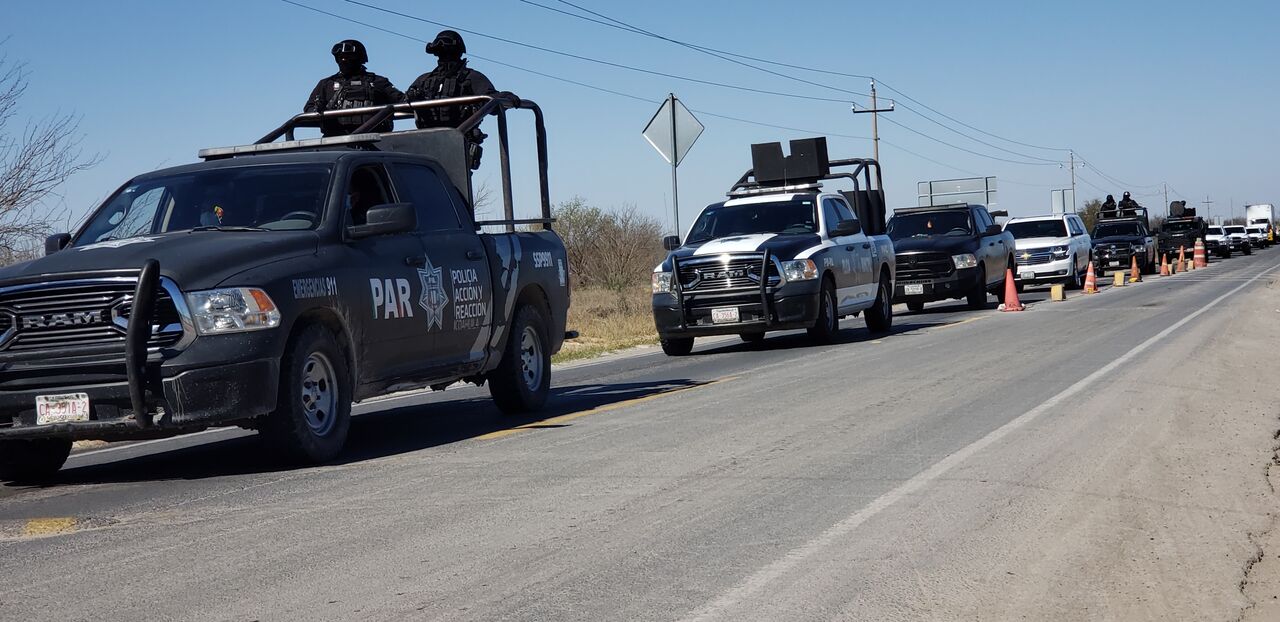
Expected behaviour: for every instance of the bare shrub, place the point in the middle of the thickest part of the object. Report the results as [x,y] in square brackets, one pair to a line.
[613,249]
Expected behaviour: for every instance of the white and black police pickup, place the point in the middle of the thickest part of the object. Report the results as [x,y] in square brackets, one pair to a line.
[272,285]
[782,253]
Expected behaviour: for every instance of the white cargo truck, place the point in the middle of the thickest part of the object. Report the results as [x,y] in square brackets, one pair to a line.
[1262,215]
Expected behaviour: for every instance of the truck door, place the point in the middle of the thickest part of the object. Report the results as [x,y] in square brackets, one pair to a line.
[853,254]
[459,300]
[994,254]
[381,284]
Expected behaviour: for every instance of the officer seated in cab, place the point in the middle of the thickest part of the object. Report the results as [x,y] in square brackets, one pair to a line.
[451,78]
[352,87]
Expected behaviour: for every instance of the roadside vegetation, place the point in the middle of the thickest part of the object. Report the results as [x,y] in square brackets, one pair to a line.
[611,253]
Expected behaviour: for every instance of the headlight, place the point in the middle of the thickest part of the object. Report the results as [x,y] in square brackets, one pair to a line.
[964,261]
[661,282]
[1059,251]
[232,310]
[1137,248]
[800,270]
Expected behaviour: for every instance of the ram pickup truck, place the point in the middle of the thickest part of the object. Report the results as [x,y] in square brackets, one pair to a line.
[1121,235]
[781,253]
[272,285]
[949,251]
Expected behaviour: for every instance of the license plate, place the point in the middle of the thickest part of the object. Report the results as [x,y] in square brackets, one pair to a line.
[1027,276]
[913,289]
[68,408]
[727,315]
[1114,263]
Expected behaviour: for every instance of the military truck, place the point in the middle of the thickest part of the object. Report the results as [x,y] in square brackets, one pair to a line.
[1181,230]
[272,285]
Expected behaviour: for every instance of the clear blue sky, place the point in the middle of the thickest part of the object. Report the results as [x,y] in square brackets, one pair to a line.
[1177,92]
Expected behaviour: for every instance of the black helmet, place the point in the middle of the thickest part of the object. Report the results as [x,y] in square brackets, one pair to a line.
[447,43]
[351,47]
[1126,195]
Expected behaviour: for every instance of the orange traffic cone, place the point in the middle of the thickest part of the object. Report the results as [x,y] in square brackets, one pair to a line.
[1090,281]
[1201,257]
[1182,257]
[1011,302]
[1135,275]
[1164,265]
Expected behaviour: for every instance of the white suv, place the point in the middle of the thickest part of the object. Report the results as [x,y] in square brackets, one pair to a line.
[1050,249]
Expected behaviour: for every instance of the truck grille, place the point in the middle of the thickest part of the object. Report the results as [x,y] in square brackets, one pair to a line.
[705,274]
[917,266]
[74,314]
[1035,257]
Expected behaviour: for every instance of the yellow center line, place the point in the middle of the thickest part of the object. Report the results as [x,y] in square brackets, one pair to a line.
[553,421]
[966,321]
[48,527]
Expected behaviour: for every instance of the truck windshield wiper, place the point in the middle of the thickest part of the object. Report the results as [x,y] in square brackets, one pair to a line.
[222,228]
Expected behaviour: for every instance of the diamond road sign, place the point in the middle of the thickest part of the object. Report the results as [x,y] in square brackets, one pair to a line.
[673,145]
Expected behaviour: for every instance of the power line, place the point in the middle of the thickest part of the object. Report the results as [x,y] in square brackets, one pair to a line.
[589,59]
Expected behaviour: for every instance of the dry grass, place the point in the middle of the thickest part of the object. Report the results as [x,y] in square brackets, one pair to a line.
[608,320]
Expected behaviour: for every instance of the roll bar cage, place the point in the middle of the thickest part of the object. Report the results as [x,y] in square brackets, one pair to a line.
[451,151]
[867,196]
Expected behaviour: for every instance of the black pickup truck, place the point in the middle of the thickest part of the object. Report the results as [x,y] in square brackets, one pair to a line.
[949,251]
[1119,236]
[272,285]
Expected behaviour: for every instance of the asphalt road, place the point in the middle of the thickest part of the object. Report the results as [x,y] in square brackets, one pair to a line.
[1102,457]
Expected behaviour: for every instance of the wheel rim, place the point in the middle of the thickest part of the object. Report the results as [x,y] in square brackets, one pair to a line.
[319,393]
[885,307]
[531,358]
[830,308]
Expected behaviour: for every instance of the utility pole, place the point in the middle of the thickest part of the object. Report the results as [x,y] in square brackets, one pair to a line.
[875,119]
[1208,207]
[1073,181]
[1166,198]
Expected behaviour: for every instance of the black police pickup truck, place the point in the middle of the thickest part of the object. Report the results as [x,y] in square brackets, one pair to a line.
[272,285]
[1118,236]
[949,251]
[781,253]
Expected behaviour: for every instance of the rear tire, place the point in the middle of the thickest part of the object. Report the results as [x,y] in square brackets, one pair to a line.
[880,316]
[313,415]
[824,328]
[32,460]
[752,337]
[522,381]
[677,346]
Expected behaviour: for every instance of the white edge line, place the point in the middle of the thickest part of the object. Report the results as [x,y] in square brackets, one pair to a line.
[766,575]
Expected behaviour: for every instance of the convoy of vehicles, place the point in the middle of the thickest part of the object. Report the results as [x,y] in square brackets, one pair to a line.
[949,251]
[1050,249]
[272,285]
[1120,236]
[782,253]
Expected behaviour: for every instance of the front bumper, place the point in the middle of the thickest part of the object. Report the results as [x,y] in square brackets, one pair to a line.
[1049,272]
[958,284]
[790,306]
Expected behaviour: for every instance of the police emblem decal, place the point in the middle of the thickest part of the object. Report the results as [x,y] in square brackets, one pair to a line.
[433,299]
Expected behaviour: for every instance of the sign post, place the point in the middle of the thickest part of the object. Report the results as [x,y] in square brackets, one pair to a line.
[672,131]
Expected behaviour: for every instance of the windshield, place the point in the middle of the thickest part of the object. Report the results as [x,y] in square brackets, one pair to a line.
[1119,228]
[1037,229]
[1235,229]
[1180,227]
[927,224]
[1216,231]
[272,197]
[793,217]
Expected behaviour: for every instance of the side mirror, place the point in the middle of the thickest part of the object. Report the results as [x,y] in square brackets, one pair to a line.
[846,227]
[994,230]
[386,219]
[671,242]
[56,242]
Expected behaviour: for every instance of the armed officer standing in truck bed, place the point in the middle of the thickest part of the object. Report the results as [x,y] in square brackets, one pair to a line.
[451,78]
[352,87]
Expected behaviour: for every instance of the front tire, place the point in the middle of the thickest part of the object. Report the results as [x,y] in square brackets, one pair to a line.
[522,381]
[1076,279]
[311,420]
[977,297]
[824,328]
[880,316]
[32,460]
[677,346]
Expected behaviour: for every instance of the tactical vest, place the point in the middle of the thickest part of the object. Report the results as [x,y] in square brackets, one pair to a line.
[441,85]
[354,92]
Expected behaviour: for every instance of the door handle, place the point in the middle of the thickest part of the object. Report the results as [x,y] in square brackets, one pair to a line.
[849,248]
[868,245]
[416,261]
[475,255]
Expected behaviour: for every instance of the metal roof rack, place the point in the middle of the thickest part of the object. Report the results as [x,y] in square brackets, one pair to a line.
[760,190]
[214,153]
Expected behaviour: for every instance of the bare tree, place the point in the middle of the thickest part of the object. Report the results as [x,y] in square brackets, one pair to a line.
[1090,213]
[34,162]
[614,249]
